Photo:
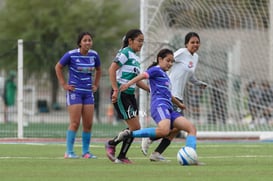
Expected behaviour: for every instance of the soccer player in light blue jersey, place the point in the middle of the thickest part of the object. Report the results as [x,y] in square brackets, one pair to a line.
[162,111]
[125,67]
[84,75]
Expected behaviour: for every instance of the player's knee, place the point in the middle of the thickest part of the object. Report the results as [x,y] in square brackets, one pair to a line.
[192,130]
[74,125]
[163,132]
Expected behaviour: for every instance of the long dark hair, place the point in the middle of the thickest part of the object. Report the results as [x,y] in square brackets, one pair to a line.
[162,54]
[81,35]
[131,34]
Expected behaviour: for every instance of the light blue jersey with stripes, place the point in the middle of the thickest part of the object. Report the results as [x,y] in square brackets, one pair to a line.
[80,68]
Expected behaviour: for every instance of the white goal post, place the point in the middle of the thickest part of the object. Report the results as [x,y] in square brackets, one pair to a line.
[26,96]
[235,59]
[20,88]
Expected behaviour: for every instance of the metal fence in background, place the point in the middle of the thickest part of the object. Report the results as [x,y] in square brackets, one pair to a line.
[43,119]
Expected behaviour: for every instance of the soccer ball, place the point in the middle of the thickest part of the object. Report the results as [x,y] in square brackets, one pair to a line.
[187,156]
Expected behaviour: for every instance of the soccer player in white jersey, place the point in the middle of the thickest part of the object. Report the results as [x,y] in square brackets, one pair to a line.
[125,67]
[82,64]
[182,71]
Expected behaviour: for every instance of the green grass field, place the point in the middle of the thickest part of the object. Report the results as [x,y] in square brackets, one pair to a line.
[244,161]
[100,130]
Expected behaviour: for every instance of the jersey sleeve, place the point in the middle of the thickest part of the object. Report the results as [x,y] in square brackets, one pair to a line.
[98,62]
[65,60]
[178,55]
[152,72]
[120,59]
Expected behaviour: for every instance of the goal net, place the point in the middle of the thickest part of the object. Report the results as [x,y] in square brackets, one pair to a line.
[235,59]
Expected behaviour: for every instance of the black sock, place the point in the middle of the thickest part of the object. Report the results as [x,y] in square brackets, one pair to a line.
[125,147]
[163,145]
[113,142]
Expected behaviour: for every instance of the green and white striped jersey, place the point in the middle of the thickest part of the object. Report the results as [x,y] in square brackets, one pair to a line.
[129,67]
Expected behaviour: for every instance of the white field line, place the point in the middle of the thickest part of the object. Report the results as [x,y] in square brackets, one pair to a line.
[137,146]
[139,158]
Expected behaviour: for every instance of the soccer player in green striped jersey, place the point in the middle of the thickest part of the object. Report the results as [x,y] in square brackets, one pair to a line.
[125,67]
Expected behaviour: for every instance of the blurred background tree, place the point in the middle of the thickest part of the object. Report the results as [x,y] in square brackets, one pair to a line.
[50,28]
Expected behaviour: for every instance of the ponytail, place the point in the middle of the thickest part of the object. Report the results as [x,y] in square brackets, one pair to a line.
[131,34]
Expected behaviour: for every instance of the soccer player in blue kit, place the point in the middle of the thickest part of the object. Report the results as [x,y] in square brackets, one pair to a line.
[162,112]
[82,63]
[182,72]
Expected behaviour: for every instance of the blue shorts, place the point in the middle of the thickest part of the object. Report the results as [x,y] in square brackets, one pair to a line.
[79,98]
[164,112]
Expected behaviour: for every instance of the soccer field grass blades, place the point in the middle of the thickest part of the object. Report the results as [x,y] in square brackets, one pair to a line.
[200,163]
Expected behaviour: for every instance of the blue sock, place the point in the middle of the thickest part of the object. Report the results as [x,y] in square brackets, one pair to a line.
[145,132]
[191,141]
[86,137]
[70,139]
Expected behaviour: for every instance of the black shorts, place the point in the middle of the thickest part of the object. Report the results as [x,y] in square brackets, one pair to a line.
[126,106]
